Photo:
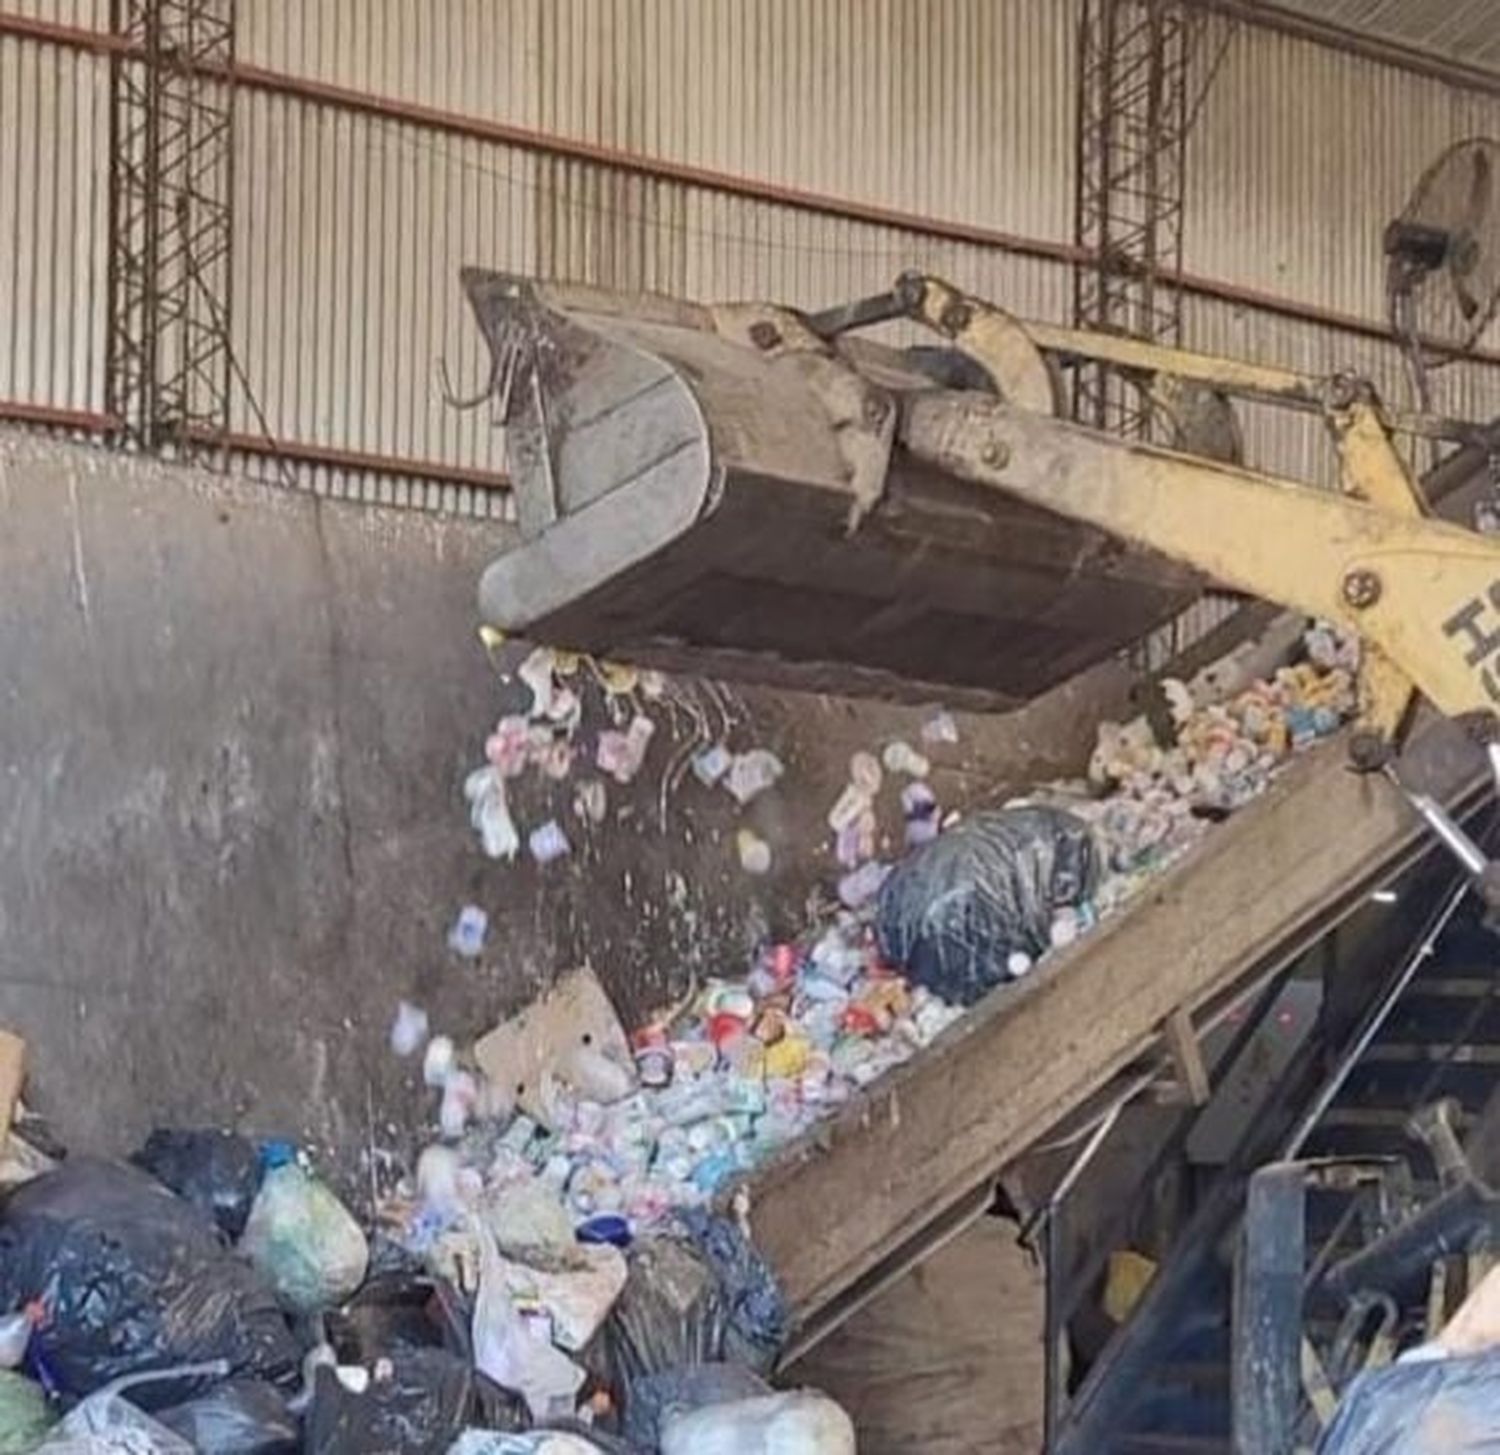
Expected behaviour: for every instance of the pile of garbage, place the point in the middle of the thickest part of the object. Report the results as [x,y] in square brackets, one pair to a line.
[748,1061]
[218,1297]
[558,1273]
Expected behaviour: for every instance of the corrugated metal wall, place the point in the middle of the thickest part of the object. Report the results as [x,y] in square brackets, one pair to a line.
[353,219]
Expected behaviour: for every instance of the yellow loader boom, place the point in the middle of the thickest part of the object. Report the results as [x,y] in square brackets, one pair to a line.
[760,493]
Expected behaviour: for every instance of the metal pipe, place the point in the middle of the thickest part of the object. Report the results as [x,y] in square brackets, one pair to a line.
[1396,1262]
[1469,855]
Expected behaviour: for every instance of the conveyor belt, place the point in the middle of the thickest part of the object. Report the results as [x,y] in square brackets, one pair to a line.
[868,1192]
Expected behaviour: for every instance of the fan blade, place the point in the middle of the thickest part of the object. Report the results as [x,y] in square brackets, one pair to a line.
[1468,305]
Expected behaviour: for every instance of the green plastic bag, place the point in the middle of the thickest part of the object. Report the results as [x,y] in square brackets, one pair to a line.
[25,1415]
[304,1241]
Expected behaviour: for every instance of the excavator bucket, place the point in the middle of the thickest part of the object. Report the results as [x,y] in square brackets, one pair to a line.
[723,491]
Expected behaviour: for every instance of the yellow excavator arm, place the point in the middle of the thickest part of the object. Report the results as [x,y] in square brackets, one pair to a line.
[1423,594]
[758,492]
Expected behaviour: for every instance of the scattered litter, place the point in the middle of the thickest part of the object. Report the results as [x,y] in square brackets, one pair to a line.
[858,888]
[548,842]
[508,748]
[940,728]
[865,775]
[409,1029]
[466,938]
[919,808]
[620,755]
[754,852]
[751,774]
[437,1062]
[539,673]
[591,801]
[441,1183]
[849,807]
[489,813]
[617,679]
[304,1241]
[460,1095]
[901,757]
[712,764]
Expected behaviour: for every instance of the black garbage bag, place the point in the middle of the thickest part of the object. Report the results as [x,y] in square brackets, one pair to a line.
[237,1417]
[756,1318]
[952,912]
[698,1295]
[132,1278]
[668,1315]
[417,1403]
[655,1396]
[400,1311]
[218,1172]
[1421,1407]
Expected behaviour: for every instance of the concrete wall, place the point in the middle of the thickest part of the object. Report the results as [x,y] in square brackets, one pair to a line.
[234,730]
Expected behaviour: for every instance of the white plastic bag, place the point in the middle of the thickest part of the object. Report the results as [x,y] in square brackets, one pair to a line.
[509,1352]
[578,1299]
[797,1422]
[304,1241]
[534,1442]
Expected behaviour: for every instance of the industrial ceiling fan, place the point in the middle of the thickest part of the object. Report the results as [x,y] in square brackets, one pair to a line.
[1443,259]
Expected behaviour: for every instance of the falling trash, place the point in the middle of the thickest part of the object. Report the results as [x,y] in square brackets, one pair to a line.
[851,805]
[591,801]
[865,774]
[460,1093]
[548,842]
[863,884]
[620,754]
[508,748]
[539,673]
[901,757]
[919,807]
[466,938]
[754,852]
[940,728]
[712,764]
[489,813]
[437,1063]
[750,774]
[409,1029]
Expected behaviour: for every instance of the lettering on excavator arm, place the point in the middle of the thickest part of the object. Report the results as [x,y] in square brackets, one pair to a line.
[1476,625]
